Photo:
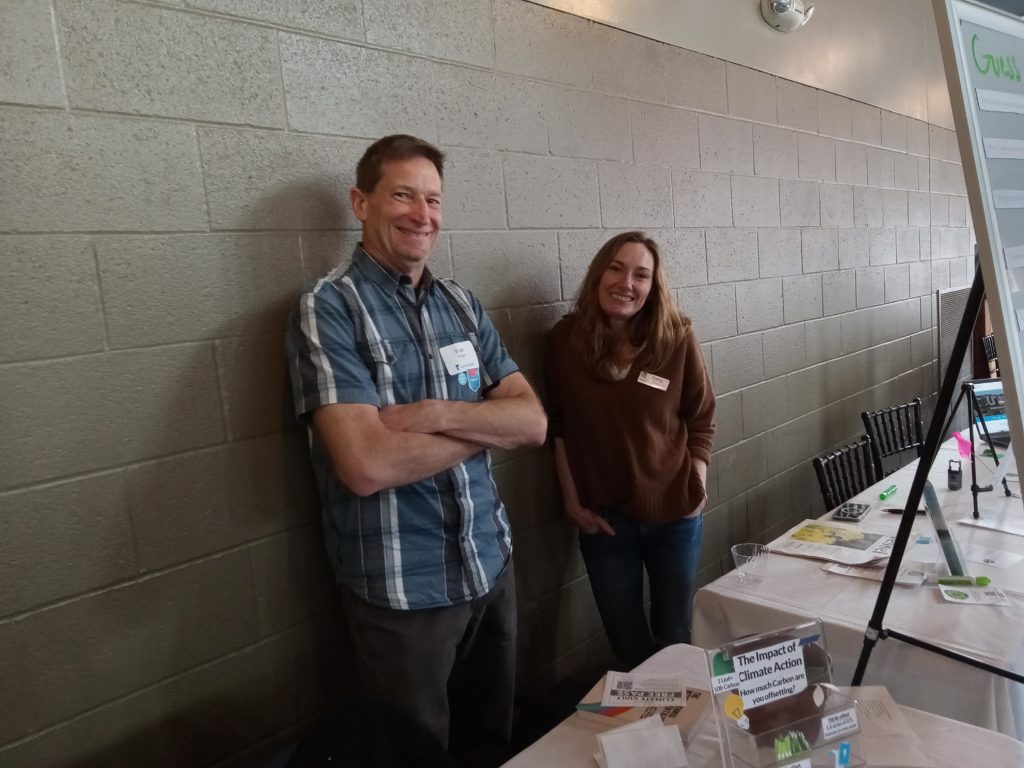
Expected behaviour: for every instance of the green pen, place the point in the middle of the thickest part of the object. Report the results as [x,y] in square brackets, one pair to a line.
[964,581]
[887,492]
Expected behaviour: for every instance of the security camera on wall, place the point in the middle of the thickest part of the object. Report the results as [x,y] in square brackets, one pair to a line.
[786,15]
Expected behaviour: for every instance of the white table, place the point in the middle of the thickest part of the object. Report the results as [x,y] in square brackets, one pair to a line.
[795,589]
[948,743]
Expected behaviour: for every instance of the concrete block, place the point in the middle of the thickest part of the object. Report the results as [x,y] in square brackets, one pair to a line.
[740,468]
[683,256]
[635,196]
[701,199]
[65,659]
[894,208]
[908,315]
[817,157]
[28,55]
[917,137]
[664,136]
[908,244]
[807,391]
[141,403]
[778,252]
[867,123]
[712,308]
[63,539]
[939,210]
[492,111]
[867,207]
[905,172]
[820,249]
[254,385]
[948,242]
[576,249]
[768,504]
[938,142]
[159,290]
[751,93]
[457,30]
[775,152]
[627,64]
[882,245]
[582,124]
[529,324]
[765,406]
[797,105]
[755,202]
[940,274]
[853,248]
[474,194]
[922,348]
[802,297]
[726,145]
[40,319]
[870,287]
[198,503]
[839,292]
[835,115]
[961,271]
[121,58]
[324,251]
[824,339]
[728,420]
[851,163]
[894,131]
[337,18]
[881,167]
[798,203]
[68,173]
[897,282]
[920,278]
[958,212]
[551,192]
[739,362]
[924,175]
[758,304]
[388,96]
[836,205]
[695,80]
[785,350]
[919,209]
[732,254]
[261,180]
[927,235]
[539,42]
[506,269]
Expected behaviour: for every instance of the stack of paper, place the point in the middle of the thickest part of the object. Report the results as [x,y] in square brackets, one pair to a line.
[846,544]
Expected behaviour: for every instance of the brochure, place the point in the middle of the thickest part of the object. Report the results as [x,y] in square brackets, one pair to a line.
[974,595]
[685,716]
[835,542]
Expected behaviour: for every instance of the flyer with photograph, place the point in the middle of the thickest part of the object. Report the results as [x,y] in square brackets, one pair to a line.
[835,542]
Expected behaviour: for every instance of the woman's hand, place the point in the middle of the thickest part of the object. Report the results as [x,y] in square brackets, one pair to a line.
[587,521]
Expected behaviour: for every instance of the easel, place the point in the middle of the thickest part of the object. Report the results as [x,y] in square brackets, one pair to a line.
[973,409]
[875,631]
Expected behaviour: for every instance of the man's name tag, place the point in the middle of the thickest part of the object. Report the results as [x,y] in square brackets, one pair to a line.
[653,381]
[459,357]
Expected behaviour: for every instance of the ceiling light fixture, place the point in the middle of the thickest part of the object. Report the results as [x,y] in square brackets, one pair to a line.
[786,15]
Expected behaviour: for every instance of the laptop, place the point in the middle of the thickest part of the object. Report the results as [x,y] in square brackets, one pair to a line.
[992,407]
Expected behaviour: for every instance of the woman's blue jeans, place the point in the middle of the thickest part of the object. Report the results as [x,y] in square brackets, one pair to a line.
[615,565]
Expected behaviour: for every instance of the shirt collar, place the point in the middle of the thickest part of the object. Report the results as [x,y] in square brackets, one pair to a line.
[387,278]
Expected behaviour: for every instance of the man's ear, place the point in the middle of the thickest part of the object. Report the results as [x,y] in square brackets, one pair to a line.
[357,199]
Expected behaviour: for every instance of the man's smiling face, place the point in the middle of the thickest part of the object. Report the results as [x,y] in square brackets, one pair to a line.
[401,215]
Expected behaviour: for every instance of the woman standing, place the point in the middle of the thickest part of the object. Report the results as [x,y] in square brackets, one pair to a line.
[632,415]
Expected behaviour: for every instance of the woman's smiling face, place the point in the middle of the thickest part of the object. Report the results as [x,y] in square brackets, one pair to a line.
[626,282]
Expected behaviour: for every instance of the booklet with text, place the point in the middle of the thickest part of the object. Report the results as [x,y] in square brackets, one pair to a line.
[838,543]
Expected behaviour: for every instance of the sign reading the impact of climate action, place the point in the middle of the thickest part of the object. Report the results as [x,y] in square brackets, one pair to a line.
[768,674]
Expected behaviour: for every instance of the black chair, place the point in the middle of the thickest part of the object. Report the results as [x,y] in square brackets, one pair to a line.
[892,431]
[845,472]
[991,356]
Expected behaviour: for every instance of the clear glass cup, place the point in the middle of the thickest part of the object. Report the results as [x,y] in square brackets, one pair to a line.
[750,562]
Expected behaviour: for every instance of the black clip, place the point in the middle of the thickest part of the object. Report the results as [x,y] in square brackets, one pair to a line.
[956,475]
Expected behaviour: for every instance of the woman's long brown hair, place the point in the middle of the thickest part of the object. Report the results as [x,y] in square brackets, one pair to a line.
[656,330]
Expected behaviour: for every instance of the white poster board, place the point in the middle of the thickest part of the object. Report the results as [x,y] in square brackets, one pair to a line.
[983,53]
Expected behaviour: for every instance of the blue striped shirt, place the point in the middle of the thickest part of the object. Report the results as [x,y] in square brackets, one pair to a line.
[365,335]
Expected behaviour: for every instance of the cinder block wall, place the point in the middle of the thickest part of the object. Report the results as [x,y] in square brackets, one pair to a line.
[174,172]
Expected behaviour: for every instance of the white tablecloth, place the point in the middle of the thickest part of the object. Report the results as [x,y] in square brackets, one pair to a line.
[949,744]
[795,589]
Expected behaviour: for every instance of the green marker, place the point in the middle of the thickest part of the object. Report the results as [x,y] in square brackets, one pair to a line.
[887,492]
[964,581]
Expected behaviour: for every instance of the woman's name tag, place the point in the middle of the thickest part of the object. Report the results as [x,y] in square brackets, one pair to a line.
[651,380]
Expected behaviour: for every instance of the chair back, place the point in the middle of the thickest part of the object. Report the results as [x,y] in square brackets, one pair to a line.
[991,356]
[845,472]
[894,430]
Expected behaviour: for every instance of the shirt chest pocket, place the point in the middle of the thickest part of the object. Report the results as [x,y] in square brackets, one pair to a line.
[380,359]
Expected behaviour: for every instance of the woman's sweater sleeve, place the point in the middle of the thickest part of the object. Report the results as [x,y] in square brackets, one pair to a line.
[697,409]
